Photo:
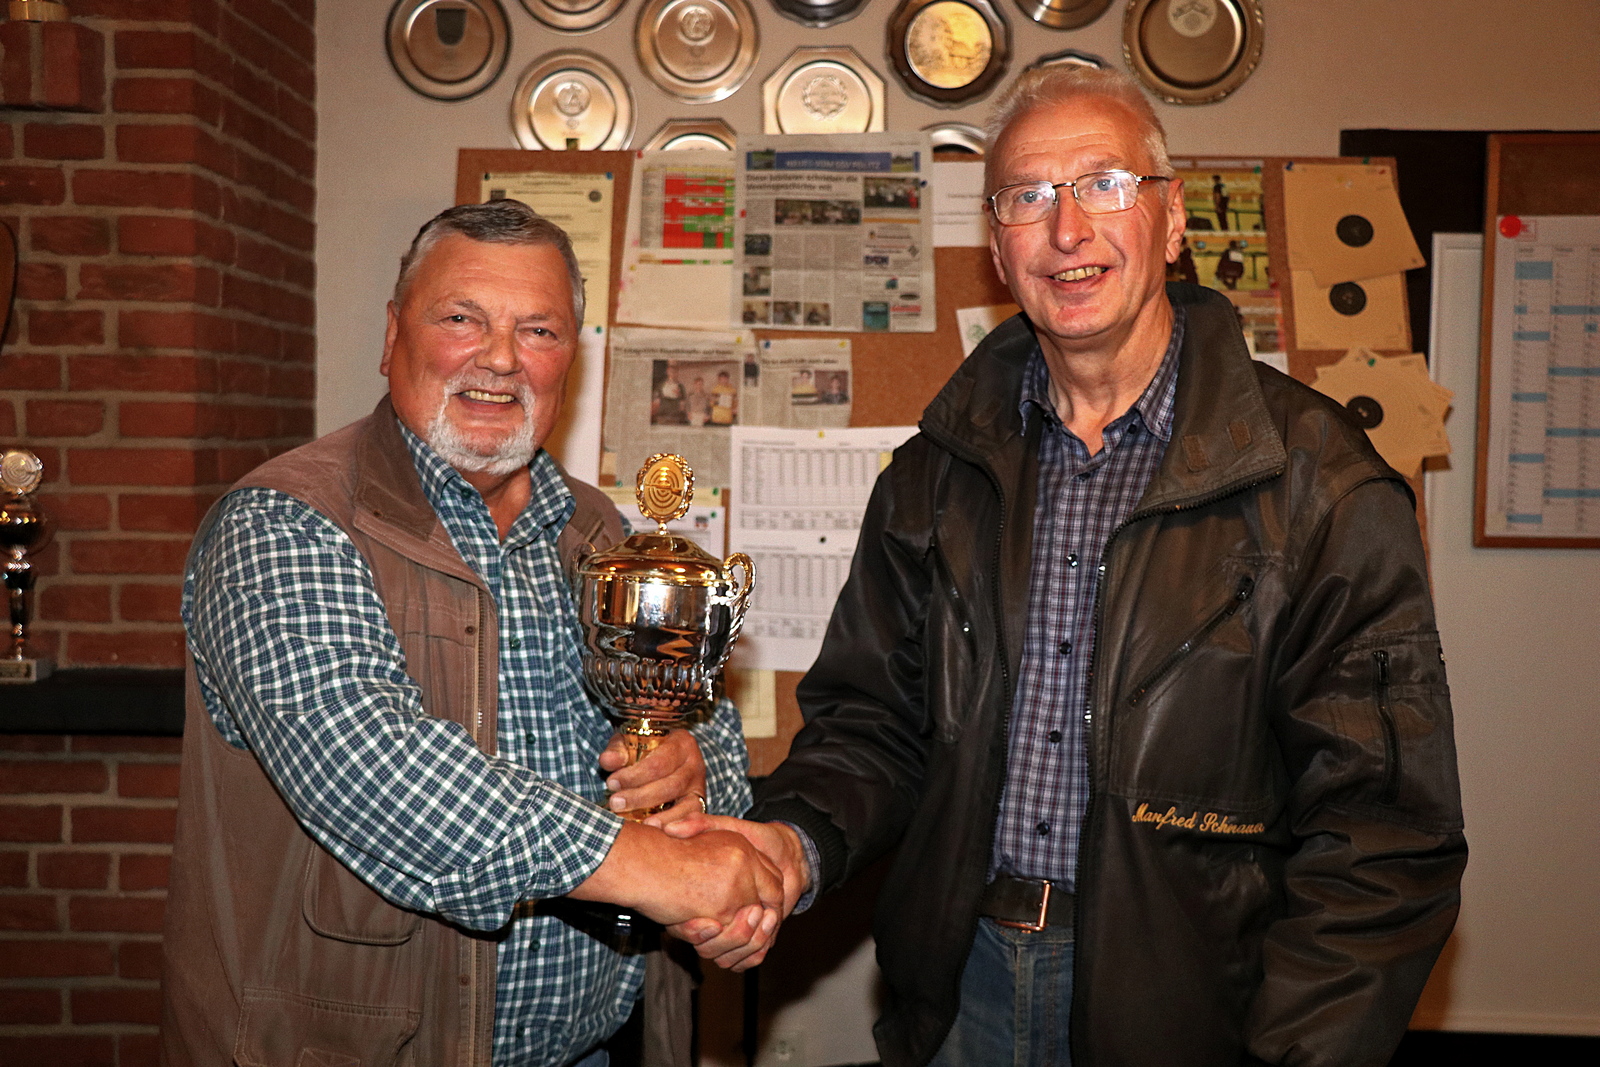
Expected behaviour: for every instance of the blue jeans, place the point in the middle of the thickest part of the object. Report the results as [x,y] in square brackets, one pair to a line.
[1016,1000]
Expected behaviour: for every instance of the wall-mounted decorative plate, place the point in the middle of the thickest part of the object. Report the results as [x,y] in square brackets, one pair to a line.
[448,49]
[572,99]
[702,134]
[697,49]
[822,90]
[819,13]
[1192,51]
[1069,57]
[957,136]
[573,16]
[1062,14]
[948,52]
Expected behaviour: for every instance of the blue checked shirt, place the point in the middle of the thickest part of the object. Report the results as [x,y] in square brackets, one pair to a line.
[1081,500]
[297,662]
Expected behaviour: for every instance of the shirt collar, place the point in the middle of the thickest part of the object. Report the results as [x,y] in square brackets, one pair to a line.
[1155,405]
[550,502]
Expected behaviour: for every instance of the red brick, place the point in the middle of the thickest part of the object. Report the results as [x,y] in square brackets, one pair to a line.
[76,328]
[19,912]
[70,235]
[122,745]
[97,1051]
[53,776]
[167,235]
[151,603]
[279,25]
[75,603]
[295,113]
[139,959]
[38,1007]
[65,418]
[174,143]
[33,370]
[262,51]
[175,329]
[165,282]
[163,374]
[121,915]
[77,511]
[121,1005]
[138,1050]
[138,648]
[32,743]
[164,418]
[31,822]
[131,188]
[6,146]
[137,872]
[293,383]
[53,66]
[166,96]
[148,779]
[104,823]
[155,49]
[179,513]
[129,557]
[74,870]
[56,958]
[133,466]
[13,869]
[235,463]
[8,419]
[41,281]
[245,376]
[63,141]
[259,339]
[32,185]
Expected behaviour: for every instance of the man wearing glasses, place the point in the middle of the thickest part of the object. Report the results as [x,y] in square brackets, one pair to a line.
[1136,667]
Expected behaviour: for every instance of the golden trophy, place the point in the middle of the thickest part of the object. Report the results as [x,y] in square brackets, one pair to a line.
[659,616]
[22,529]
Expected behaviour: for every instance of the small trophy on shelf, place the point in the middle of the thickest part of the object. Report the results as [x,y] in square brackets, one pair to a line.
[22,529]
[659,616]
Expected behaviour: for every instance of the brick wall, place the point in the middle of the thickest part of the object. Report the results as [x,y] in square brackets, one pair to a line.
[162,344]
[85,837]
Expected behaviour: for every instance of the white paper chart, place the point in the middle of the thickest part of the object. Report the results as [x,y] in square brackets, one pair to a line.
[1543,460]
[798,499]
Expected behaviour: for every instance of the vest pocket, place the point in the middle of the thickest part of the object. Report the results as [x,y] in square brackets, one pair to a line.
[337,904]
[279,1029]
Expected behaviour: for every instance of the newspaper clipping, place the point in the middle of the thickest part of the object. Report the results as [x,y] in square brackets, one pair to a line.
[802,382]
[835,235]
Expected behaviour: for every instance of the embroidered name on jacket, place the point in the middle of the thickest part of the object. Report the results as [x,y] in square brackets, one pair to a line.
[1207,823]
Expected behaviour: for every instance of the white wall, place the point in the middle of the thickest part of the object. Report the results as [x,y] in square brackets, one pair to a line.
[1519,626]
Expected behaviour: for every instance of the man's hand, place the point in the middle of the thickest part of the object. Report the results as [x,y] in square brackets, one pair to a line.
[675,771]
[744,943]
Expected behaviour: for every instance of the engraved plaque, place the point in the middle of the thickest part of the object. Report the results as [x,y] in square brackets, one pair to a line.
[948,52]
[573,16]
[823,90]
[1192,51]
[572,99]
[697,49]
[448,49]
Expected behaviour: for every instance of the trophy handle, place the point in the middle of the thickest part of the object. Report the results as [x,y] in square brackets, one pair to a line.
[741,594]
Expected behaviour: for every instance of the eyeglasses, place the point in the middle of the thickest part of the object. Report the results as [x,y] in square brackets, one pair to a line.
[1099,193]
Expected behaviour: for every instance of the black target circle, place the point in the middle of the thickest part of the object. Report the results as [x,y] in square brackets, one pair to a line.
[1367,411]
[1353,230]
[1348,298]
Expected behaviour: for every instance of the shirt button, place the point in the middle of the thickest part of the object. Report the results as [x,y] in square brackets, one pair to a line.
[1055,737]
[516,642]
[1065,648]
[1133,429]
[1043,829]
[1085,476]
[466,494]
[1072,559]
[1101,568]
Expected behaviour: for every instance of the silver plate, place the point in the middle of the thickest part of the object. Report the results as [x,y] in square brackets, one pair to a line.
[822,90]
[819,13]
[1063,14]
[448,49]
[948,52]
[573,16]
[1069,57]
[702,134]
[957,136]
[698,50]
[572,99]
[1192,51]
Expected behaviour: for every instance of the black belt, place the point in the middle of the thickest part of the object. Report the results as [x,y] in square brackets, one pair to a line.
[1025,903]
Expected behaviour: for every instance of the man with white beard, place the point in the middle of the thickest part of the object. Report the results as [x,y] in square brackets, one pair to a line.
[395,835]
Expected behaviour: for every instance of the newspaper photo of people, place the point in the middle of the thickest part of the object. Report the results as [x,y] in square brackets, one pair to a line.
[693,393]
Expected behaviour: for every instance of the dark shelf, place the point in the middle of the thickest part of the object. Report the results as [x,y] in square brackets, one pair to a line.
[112,700]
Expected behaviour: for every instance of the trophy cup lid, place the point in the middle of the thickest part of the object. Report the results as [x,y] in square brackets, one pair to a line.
[664,488]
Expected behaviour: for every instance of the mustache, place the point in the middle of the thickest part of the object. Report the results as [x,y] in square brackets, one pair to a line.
[475,378]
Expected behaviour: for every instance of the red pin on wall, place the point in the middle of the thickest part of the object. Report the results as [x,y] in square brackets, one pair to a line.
[1510,226]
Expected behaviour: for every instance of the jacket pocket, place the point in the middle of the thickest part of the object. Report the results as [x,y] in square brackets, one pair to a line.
[1391,737]
[1241,594]
[280,1029]
[339,905]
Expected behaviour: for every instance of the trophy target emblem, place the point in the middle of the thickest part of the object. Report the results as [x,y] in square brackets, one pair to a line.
[664,488]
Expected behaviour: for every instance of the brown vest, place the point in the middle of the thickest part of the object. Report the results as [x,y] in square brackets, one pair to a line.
[275,955]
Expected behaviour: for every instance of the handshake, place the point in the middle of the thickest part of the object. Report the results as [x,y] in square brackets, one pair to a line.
[721,884]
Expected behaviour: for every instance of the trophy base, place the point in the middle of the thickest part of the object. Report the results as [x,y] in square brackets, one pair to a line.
[24,671]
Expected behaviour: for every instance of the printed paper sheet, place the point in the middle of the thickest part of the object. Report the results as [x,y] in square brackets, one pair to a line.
[579,204]
[677,260]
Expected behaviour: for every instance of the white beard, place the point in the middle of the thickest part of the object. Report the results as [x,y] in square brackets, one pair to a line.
[450,443]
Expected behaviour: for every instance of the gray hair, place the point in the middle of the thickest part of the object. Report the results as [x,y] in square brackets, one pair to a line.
[1044,86]
[501,222]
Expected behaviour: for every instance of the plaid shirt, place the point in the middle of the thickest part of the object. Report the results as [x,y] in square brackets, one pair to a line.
[298,663]
[1081,500]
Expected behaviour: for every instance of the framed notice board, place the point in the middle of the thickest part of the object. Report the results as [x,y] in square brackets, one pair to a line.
[1538,447]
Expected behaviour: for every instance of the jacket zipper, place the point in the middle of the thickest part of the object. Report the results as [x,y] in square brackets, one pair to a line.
[1391,740]
[1241,594]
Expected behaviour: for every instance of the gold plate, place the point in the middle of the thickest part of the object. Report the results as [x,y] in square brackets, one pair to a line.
[572,99]
[20,471]
[948,52]
[699,50]
[1192,51]
[448,49]
[822,90]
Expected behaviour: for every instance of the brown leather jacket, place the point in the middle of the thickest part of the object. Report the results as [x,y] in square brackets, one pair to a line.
[1272,851]
[275,955]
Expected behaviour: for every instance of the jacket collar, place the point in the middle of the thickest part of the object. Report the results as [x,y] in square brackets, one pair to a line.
[1223,436]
